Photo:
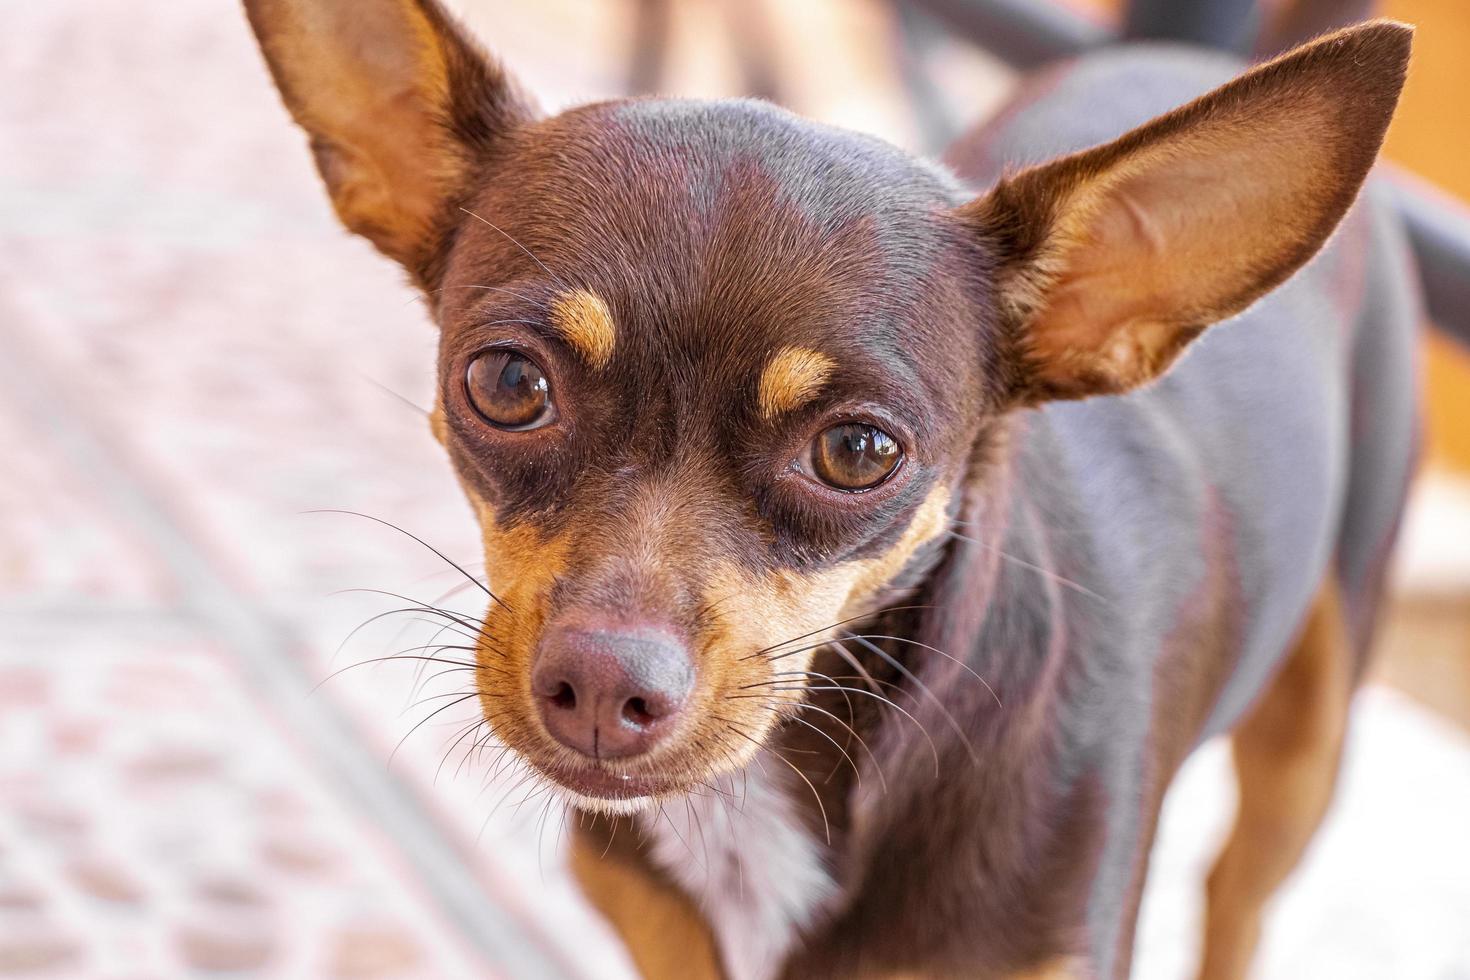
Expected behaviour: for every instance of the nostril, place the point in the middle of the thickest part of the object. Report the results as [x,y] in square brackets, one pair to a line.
[564,697]
[611,690]
[635,712]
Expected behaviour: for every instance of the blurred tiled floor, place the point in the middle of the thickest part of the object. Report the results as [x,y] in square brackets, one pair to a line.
[192,356]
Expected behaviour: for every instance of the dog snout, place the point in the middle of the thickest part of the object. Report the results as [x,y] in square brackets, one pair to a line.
[611,692]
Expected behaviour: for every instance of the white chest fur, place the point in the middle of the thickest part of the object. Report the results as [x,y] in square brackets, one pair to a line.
[750,863]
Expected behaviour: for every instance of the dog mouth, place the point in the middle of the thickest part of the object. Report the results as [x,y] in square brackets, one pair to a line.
[595,788]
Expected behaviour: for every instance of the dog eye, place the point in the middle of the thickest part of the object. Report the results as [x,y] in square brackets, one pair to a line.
[854,456]
[509,390]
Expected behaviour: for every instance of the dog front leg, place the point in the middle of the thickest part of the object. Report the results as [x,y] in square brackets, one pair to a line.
[665,933]
[1061,968]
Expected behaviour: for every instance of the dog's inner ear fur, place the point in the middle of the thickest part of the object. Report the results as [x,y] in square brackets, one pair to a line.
[1113,259]
[397,101]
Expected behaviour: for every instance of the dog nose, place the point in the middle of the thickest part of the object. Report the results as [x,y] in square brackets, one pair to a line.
[611,693]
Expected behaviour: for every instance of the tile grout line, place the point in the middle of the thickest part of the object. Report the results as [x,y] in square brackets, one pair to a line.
[261,646]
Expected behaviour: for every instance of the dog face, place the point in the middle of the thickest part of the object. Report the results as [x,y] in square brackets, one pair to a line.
[706,376]
[715,378]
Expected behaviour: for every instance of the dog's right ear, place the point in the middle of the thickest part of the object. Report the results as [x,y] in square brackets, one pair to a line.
[398,103]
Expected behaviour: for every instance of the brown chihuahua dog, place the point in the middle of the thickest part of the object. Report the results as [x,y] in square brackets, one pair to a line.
[853,511]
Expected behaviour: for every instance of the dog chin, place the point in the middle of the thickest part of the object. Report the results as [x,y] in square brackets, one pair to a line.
[608,806]
[601,792]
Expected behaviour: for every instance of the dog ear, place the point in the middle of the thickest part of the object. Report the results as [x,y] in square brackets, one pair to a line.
[398,103]
[1111,260]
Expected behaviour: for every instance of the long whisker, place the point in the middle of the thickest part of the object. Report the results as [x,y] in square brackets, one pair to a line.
[479,636]
[529,254]
[460,618]
[856,665]
[933,749]
[398,656]
[680,837]
[840,622]
[935,650]
[808,706]
[495,289]
[389,391]
[899,666]
[464,733]
[826,826]
[856,772]
[444,707]
[1023,563]
[449,561]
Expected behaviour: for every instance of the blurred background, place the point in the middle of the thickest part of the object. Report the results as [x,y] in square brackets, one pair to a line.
[193,356]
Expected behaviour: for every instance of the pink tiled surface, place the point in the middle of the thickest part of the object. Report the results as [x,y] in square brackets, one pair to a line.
[154,821]
[193,355]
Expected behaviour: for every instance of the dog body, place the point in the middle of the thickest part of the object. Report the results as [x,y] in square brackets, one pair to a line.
[1140,579]
[869,635]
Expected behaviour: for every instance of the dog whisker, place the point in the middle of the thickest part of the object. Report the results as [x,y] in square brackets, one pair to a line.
[461,618]
[374,660]
[461,700]
[898,665]
[496,289]
[865,637]
[449,561]
[554,277]
[419,409]
[841,622]
[821,807]
[808,706]
[1023,563]
[933,749]
[466,732]
[856,772]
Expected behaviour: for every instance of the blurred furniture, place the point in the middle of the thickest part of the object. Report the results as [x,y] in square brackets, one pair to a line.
[1026,33]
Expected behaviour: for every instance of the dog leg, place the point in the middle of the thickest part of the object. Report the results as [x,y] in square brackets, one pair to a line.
[665,934]
[1286,760]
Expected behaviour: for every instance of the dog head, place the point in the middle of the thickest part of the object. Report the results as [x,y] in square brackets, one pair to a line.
[714,377]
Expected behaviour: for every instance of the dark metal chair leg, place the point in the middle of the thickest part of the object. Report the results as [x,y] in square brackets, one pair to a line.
[1302,20]
[1230,25]
[750,33]
[1026,33]
[916,32]
[649,57]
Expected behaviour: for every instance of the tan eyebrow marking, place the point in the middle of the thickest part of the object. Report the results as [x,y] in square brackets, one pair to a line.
[585,322]
[792,378]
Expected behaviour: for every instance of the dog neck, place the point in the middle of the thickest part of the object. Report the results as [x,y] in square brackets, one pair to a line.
[769,852]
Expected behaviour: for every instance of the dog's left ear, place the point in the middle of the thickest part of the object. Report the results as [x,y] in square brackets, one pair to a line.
[1111,260]
[400,105]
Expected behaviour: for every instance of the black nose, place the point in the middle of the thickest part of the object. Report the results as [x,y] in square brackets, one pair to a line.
[611,692]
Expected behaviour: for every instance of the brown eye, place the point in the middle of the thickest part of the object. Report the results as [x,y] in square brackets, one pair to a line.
[509,390]
[854,456]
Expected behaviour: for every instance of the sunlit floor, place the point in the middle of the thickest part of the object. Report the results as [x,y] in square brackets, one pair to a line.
[192,356]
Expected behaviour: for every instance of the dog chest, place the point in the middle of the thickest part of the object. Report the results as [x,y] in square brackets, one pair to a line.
[747,858]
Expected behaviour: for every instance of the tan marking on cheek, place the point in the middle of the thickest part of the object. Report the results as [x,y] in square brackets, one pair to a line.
[791,379]
[585,322]
[784,604]
[522,567]
[438,426]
